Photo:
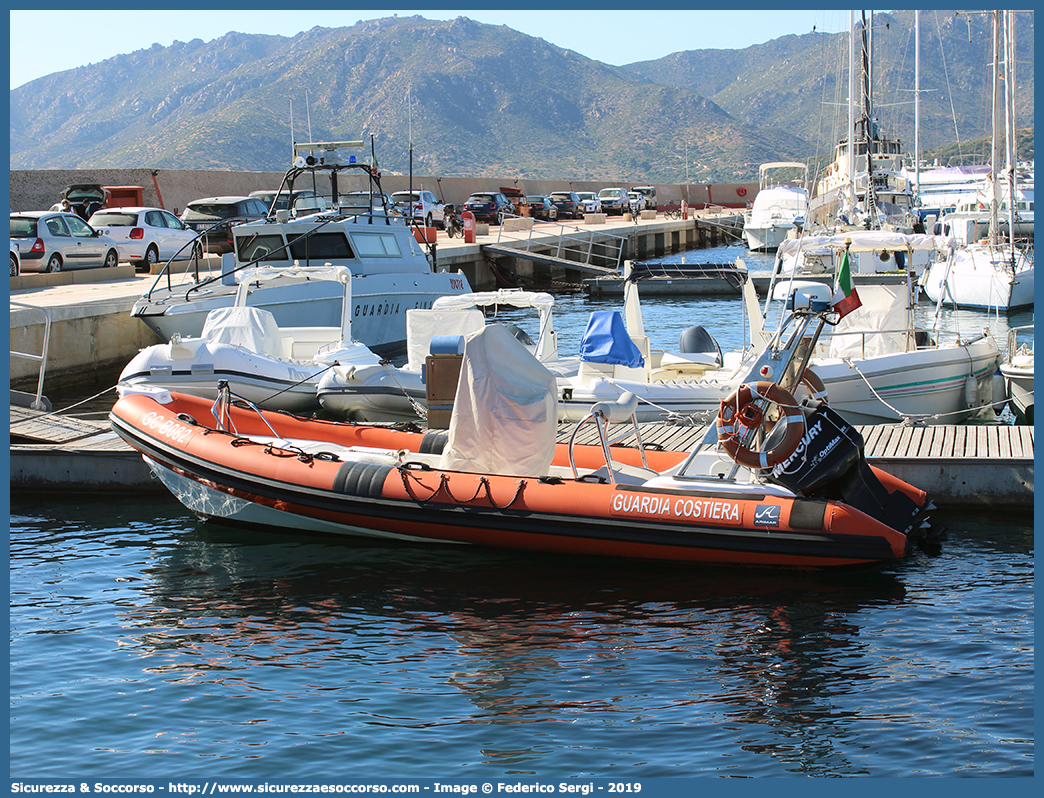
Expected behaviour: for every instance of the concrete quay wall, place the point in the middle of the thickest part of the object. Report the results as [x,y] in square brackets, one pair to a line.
[38,189]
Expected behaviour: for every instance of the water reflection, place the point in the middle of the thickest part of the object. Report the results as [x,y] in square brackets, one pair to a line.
[566,658]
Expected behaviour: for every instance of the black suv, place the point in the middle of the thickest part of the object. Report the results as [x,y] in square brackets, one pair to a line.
[202,213]
[568,204]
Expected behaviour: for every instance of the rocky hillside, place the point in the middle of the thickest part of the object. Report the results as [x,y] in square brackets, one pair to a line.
[486,101]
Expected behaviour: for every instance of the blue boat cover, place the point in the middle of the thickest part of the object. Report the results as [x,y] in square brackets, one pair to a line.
[606,341]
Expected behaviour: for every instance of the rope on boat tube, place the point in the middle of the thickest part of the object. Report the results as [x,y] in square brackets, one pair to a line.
[443,487]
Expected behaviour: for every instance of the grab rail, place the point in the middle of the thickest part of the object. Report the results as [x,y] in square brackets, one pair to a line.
[40,402]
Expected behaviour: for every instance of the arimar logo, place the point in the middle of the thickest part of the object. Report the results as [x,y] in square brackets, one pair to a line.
[766,515]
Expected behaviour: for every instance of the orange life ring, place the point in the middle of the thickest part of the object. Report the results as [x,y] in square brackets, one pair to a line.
[740,410]
[815,385]
[741,191]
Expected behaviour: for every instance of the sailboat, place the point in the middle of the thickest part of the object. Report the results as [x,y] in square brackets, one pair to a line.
[991,273]
[871,191]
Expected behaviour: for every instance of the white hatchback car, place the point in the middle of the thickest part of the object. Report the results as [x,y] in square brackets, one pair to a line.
[146,236]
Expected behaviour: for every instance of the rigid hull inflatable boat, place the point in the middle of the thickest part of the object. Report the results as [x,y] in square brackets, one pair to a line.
[804,498]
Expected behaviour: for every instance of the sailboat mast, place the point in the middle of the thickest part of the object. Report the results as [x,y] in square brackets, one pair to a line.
[851,109]
[995,149]
[917,107]
[1009,116]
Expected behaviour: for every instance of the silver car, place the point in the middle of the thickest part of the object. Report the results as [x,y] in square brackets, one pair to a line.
[146,236]
[50,241]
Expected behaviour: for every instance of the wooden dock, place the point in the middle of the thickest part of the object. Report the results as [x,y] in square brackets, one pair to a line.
[973,465]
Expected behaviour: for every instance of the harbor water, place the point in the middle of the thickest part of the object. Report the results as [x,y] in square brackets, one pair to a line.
[146,644]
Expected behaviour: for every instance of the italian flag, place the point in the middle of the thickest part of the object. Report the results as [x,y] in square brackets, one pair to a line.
[845,298]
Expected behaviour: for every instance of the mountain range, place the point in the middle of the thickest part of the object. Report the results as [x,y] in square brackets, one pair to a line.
[484,100]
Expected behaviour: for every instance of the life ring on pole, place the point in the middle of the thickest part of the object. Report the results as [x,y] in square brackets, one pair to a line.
[741,191]
[815,385]
[740,410]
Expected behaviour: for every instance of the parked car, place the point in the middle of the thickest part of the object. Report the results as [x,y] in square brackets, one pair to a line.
[83,199]
[541,207]
[50,241]
[146,235]
[16,260]
[637,201]
[487,207]
[649,192]
[280,200]
[421,207]
[614,201]
[200,214]
[568,204]
[589,202]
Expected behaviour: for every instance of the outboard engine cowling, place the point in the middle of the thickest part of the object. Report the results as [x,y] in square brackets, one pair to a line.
[829,463]
[697,339]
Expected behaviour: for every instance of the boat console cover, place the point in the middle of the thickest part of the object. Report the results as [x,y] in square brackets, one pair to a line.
[252,328]
[606,340]
[505,414]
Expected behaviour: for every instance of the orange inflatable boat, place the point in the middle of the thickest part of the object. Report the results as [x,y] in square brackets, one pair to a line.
[812,501]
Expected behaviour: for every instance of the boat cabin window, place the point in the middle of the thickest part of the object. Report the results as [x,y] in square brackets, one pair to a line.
[376,245]
[269,247]
[320,246]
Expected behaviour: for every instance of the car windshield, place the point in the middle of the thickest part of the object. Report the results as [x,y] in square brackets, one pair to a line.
[480,198]
[609,192]
[23,227]
[537,200]
[114,219]
[560,196]
[221,211]
[405,196]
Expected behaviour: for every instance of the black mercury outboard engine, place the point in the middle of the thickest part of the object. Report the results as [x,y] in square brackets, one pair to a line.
[696,339]
[829,463]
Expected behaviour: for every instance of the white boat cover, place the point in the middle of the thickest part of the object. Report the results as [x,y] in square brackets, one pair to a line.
[252,328]
[509,297]
[877,327]
[423,323]
[505,415]
[865,241]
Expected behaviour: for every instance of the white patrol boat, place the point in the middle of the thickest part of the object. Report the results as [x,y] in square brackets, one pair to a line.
[391,273]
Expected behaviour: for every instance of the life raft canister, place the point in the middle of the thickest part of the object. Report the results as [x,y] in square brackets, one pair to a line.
[740,410]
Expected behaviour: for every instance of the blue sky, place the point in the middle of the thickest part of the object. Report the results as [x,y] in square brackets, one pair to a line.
[48,41]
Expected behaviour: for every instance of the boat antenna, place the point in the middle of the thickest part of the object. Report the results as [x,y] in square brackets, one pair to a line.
[409,116]
[308,115]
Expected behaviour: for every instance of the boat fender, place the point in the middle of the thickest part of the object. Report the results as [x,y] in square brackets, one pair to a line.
[740,411]
[999,395]
[971,392]
[815,385]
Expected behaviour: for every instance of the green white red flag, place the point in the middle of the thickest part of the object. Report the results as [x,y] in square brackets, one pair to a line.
[845,298]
